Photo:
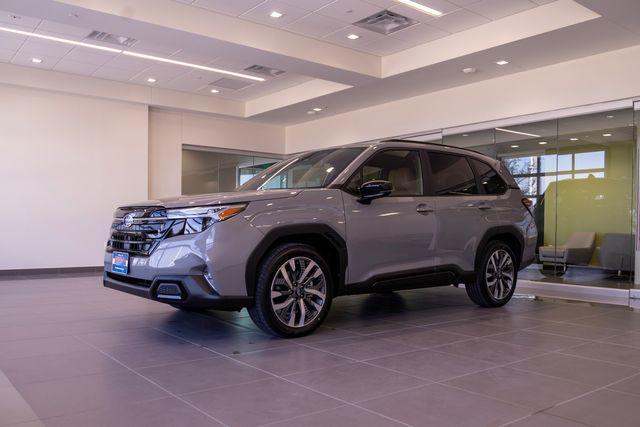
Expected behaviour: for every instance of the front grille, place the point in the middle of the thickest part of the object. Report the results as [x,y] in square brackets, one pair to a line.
[130,280]
[149,227]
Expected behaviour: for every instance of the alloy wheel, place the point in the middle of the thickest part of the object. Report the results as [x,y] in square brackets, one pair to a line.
[499,274]
[298,292]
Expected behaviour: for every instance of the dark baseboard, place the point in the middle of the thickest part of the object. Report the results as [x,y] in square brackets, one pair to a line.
[48,272]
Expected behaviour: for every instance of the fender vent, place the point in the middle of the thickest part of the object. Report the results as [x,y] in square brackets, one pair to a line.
[385,22]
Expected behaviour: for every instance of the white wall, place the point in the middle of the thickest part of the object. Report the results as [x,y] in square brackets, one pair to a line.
[65,163]
[169,130]
[599,78]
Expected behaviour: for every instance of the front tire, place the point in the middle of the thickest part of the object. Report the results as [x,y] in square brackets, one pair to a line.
[496,276]
[293,291]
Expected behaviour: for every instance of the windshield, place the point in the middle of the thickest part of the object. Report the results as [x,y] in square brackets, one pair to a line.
[309,170]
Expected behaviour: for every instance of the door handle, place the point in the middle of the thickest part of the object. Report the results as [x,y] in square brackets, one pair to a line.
[424,209]
[484,206]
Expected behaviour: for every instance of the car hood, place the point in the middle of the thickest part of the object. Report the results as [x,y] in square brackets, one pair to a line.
[216,199]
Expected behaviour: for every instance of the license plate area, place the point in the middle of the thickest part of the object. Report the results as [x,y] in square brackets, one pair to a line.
[120,263]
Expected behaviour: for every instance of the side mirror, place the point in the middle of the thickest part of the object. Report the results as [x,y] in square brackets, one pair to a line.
[374,190]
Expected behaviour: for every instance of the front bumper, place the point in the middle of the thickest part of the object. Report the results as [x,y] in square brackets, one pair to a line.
[194,292]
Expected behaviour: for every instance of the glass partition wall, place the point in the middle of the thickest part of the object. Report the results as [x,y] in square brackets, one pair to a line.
[580,174]
[206,171]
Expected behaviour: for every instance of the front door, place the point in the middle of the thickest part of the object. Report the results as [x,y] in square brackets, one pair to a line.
[394,235]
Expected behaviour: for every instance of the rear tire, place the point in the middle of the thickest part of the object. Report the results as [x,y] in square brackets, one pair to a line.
[293,291]
[496,276]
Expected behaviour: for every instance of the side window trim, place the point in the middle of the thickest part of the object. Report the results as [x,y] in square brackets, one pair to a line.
[479,179]
[359,170]
[479,185]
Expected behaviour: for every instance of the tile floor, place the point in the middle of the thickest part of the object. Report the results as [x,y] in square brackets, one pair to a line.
[75,354]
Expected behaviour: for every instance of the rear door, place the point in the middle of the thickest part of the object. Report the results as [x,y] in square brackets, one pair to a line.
[464,213]
[392,236]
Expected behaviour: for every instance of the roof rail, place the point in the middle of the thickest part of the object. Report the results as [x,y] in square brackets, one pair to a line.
[432,143]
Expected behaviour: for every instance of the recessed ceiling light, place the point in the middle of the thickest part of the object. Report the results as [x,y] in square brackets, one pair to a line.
[606,134]
[422,8]
[502,62]
[130,53]
[574,139]
[276,14]
[542,142]
[631,124]
[610,117]
[214,91]
[311,112]
[36,60]
[317,109]
[353,37]
[469,70]
[152,80]
[515,146]
[465,134]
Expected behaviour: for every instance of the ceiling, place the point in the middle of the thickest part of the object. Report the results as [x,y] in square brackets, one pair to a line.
[322,67]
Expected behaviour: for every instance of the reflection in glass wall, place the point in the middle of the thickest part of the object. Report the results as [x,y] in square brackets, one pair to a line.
[579,172]
[205,171]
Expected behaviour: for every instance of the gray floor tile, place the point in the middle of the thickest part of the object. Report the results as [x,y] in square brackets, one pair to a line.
[105,340]
[291,360]
[577,331]
[594,372]
[363,348]
[167,412]
[355,382]
[546,420]
[607,352]
[422,337]
[515,387]
[58,366]
[431,365]
[145,355]
[17,333]
[494,352]
[200,375]
[602,408]
[630,385]
[437,405]
[41,346]
[245,342]
[631,339]
[343,416]
[260,402]
[67,396]
[473,328]
[538,340]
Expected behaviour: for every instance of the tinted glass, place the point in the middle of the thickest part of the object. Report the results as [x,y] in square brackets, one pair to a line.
[311,170]
[489,178]
[452,175]
[400,167]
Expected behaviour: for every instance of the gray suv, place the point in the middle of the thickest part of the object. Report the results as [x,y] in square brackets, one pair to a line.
[362,218]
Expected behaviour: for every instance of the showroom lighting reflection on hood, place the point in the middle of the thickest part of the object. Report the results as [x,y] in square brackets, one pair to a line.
[422,8]
[533,135]
[130,53]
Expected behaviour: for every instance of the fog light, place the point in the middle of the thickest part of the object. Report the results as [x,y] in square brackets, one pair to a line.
[169,291]
[209,278]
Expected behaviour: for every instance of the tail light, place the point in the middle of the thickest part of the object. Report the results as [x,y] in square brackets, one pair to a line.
[528,203]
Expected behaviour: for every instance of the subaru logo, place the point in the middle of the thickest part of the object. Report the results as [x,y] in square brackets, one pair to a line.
[127,221]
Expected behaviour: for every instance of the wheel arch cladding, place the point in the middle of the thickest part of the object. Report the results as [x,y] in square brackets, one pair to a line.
[507,234]
[323,238]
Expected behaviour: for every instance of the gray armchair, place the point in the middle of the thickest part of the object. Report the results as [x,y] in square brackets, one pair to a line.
[577,250]
[617,252]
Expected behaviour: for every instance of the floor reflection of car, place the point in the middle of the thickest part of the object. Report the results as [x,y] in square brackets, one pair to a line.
[372,217]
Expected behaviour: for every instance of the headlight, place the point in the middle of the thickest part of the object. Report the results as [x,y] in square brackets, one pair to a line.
[198,219]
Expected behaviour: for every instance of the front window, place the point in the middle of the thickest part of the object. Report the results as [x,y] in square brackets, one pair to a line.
[310,170]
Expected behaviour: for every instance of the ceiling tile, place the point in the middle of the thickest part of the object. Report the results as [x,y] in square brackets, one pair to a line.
[459,20]
[69,66]
[261,13]
[496,9]
[188,82]
[463,3]
[112,73]
[195,58]
[349,11]
[383,4]
[340,37]
[88,56]
[62,30]
[24,58]
[23,22]
[420,33]
[133,65]
[160,72]
[155,48]
[315,25]
[234,7]
[11,42]
[310,5]
[230,83]
[45,47]
[6,55]
[386,46]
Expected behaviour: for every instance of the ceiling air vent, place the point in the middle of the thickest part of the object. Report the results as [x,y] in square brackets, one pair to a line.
[101,36]
[265,71]
[230,83]
[385,22]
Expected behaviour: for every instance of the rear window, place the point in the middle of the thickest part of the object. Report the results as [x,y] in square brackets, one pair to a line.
[489,178]
[451,175]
